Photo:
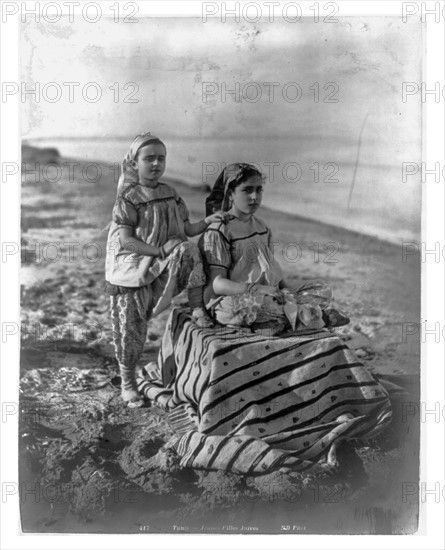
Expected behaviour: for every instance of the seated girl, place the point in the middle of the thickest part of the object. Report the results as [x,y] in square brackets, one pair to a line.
[254,403]
[246,286]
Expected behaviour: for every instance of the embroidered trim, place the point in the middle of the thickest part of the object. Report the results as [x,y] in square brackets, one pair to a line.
[220,233]
[251,235]
[152,201]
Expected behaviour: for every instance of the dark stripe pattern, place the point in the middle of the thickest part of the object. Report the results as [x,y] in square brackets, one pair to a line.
[255,404]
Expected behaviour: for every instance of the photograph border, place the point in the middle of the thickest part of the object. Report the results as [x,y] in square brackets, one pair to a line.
[431,532]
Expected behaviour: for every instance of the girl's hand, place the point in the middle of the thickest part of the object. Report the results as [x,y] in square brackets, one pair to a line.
[170,245]
[219,216]
[266,290]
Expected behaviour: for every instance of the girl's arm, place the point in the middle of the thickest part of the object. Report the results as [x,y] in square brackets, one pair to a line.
[222,285]
[132,244]
[193,229]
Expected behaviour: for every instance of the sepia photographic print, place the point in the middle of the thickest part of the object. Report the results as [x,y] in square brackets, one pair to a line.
[215,312]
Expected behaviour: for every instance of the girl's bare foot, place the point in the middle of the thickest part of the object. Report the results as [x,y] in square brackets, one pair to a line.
[201,318]
[344,417]
[132,398]
[129,391]
[334,318]
[332,455]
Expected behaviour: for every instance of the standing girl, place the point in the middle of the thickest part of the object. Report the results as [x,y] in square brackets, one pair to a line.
[149,259]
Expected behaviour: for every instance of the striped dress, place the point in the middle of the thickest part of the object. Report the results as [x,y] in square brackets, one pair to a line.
[250,403]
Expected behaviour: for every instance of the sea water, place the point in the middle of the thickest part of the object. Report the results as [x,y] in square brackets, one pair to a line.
[320,178]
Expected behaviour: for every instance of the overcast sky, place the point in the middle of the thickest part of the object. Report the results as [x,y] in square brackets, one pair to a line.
[180,68]
[170,60]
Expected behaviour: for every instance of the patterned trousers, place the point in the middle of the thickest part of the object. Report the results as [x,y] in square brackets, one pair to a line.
[131,308]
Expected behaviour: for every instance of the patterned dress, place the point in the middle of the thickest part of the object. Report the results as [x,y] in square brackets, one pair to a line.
[143,286]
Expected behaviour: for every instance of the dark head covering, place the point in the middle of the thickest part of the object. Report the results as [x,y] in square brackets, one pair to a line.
[232,176]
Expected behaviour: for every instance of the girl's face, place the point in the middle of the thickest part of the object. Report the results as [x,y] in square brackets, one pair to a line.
[150,163]
[247,197]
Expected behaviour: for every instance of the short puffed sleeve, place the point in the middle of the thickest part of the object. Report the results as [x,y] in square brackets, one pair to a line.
[183,210]
[125,213]
[215,247]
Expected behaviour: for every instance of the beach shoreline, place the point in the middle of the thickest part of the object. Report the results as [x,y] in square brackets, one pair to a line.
[77,436]
[383,206]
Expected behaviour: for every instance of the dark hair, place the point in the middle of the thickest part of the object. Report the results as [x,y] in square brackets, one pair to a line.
[229,179]
[241,173]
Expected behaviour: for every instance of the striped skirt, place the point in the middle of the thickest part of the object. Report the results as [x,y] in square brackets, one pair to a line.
[250,403]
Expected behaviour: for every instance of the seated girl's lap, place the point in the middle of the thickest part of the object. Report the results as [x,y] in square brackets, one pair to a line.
[244,383]
[262,311]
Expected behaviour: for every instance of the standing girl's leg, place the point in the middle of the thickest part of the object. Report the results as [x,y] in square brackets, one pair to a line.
[192,278]
[184,271]
[129,323]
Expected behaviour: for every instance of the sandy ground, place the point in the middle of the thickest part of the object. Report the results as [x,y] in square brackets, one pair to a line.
[88,464]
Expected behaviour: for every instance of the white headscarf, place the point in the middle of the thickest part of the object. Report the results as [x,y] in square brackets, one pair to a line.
[128,174]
